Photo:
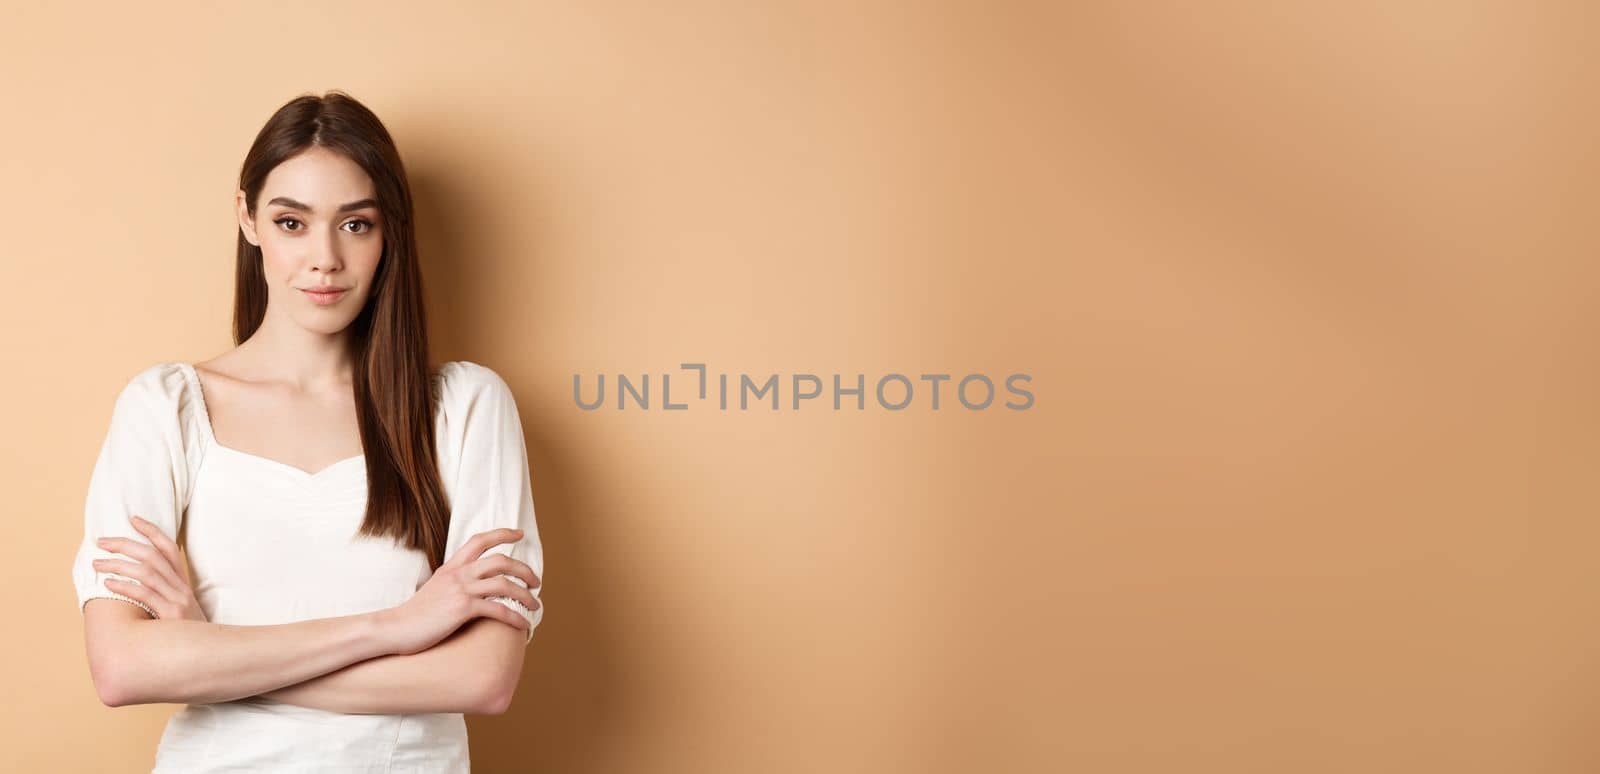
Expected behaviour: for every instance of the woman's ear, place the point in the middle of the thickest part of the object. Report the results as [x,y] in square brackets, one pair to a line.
[246,223]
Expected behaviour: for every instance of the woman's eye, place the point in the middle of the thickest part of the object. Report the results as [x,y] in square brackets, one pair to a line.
[365,226]
[285,221]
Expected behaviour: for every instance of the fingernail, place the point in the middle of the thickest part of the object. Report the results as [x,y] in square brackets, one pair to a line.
[135,518]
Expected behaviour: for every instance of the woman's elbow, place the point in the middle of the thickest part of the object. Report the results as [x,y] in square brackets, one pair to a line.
[495,701]
[109,685]
[110,697]
[495,692]
[119,680]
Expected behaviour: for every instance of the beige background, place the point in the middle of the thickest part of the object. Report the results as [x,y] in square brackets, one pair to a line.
[1307,296]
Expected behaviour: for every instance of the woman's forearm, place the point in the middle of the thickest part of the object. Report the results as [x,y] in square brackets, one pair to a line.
[195,662]
[474,670]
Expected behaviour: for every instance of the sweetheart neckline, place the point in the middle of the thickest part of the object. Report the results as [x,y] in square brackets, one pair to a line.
[211,435]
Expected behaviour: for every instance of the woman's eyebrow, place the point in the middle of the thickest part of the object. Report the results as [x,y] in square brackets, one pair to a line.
[355,205]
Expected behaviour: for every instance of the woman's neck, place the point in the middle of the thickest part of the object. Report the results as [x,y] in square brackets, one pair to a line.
[287,353]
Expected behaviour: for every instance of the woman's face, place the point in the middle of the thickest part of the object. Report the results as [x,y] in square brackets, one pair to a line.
[318,226]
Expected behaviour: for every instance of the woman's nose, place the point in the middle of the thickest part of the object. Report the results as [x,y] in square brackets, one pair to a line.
[326,257]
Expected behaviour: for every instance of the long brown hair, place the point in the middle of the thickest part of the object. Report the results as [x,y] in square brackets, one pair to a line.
[394,389]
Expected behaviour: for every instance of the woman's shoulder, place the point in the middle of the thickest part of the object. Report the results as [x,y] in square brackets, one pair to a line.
[159,384]
[471,393]
[463,379]
[162,401]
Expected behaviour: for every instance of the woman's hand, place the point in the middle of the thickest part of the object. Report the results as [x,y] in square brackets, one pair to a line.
[162,586]
[457,591]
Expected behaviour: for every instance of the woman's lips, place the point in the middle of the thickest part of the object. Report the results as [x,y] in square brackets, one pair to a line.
[322,297]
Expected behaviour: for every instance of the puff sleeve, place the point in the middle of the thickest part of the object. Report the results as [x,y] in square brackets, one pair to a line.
[485,465]
[142,469]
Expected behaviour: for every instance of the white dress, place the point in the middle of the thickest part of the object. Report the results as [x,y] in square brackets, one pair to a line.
[270,543]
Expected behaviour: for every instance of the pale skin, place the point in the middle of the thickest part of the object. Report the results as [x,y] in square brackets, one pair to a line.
[285,394]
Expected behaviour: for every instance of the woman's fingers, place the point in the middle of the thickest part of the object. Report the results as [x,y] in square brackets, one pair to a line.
[144,552]
[500,564]
[477,544]
[501,586]
[139,572]
[161,542]
[487,609]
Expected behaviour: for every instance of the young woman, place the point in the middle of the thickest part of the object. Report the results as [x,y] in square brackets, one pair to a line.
[364,562]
